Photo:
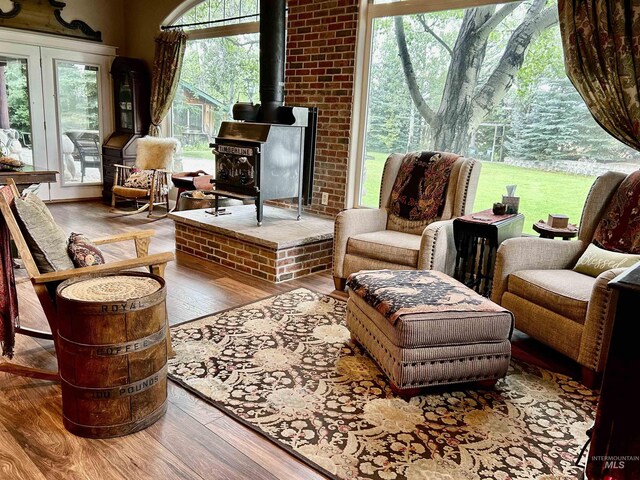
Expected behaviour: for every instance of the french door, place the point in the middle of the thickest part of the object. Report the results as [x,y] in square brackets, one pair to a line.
[77,94]
[59,109]
[22,131]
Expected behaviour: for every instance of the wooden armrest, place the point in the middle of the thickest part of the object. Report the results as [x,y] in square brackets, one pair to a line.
[146,261]
[117,165]
[124,237]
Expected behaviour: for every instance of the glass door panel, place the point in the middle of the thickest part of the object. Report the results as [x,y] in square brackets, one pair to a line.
[22,133]
[125,104]
[78,108]
[15,111]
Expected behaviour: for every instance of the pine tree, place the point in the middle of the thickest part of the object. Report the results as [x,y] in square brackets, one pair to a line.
[553,123]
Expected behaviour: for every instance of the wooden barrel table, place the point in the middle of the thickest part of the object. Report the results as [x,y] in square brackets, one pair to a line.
[112,353]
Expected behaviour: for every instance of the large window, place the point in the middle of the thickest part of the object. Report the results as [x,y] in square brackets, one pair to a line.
[488,82]
[221,67]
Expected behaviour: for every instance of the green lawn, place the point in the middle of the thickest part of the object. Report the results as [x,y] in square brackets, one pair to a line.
[541,193]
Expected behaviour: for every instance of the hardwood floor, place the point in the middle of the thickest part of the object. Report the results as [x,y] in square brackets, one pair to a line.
[194,440]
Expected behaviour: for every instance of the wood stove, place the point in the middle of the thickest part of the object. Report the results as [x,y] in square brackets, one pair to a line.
[270,157]
[261,160]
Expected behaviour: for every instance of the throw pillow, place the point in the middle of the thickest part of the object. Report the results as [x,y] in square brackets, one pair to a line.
[619,228]
[83,252]
[595,260]
[46,240]
[419,192]
[139,179]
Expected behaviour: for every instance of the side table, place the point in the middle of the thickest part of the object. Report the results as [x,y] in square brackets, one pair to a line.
[28,175]
[477,237]
[546,231]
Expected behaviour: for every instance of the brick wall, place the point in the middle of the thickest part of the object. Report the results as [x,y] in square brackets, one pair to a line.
[321,46]
[259,261]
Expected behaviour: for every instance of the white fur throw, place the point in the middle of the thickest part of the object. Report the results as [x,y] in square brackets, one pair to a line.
[154,152]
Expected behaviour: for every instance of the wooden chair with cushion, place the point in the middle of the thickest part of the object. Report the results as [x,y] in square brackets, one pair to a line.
[43,269]
[570,311]
[148,181]
[374,239]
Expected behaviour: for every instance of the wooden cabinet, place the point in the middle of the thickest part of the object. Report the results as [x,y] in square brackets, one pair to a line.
[615,441]
[131,95]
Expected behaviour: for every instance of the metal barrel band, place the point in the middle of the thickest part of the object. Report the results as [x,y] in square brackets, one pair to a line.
[123,307]
[121,391]
[115,349]
[147,420]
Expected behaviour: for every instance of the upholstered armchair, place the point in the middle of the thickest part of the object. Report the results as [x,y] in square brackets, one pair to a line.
[566,310]
[369,239]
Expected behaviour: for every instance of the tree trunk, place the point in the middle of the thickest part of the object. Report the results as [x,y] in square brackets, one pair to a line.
[412,126]
[453,137]
[453,132]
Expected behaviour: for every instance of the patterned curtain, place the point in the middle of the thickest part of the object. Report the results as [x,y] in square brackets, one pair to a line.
[601,40]
[167,64]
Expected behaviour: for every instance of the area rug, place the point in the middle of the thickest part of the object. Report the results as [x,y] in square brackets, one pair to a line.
[285,366]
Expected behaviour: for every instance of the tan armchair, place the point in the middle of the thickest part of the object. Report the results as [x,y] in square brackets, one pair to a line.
[363,241]
[566,310]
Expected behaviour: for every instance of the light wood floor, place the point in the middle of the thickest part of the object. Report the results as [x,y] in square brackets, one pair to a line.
[194,440]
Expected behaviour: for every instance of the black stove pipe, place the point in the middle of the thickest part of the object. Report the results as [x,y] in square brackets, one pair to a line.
[272,52]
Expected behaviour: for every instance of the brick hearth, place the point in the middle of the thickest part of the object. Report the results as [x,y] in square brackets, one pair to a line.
[280,250]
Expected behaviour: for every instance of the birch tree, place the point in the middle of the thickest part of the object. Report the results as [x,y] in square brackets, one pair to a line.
[467,99]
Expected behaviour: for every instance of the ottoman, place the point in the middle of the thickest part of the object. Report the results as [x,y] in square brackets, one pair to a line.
[424,328]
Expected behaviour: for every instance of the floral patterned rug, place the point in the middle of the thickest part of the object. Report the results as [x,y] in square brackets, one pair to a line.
[285,366]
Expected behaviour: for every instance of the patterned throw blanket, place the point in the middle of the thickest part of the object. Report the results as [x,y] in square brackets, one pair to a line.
[420,187]
[619,227]
[394,293]
[8,295]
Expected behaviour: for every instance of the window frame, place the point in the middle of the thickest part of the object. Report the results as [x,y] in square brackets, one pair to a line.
[368,13]
[195,106]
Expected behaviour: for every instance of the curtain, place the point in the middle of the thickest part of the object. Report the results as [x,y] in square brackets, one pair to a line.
[601,41]
[8,295]
[167,64]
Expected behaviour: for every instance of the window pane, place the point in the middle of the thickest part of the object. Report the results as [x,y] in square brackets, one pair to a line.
[217,72]
[15,112]
[520,116]
[215,10]
[79,120]
[195,118]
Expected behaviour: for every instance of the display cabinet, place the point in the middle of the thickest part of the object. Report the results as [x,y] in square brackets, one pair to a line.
[131,95]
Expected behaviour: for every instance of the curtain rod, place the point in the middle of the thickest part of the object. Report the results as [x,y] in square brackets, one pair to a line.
[210,22]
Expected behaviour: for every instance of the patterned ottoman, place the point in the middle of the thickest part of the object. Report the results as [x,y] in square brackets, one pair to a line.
[424,328]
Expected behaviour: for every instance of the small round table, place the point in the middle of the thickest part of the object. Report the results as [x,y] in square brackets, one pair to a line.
[112,350]
[546,231]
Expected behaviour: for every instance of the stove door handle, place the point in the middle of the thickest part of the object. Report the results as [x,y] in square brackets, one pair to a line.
[214,151]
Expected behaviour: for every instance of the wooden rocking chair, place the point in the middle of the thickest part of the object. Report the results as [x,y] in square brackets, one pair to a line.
[141,238]
[156,195]
[154,156]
